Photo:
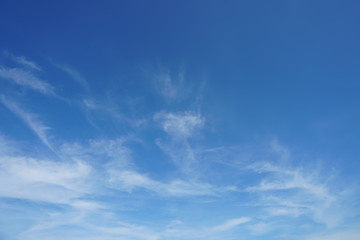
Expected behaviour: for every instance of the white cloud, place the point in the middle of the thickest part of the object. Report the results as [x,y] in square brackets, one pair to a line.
[283,178]
[43,180]
[75,75]
[118,166]
[282,151]
[86,226]
[180,125]
[231,224]
[130,180]
[287,190]
[5,146]
[182,155]
[342,235]
[21,60]
[167,86]
[260,228]
[35,125]
[109,152]
[89,103]
[172,87]
[128,231]
[26,79]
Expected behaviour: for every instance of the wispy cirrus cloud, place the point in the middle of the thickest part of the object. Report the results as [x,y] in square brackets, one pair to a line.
[171,87]
[289,191]
[75,75]
[205,231]
[283,178]
[21,60]
[351,234]
[85,227]
[30,120]
[43,180]
[27,79]
[231,224]
[120,170]
[130,181]
[111,153]
[180,125]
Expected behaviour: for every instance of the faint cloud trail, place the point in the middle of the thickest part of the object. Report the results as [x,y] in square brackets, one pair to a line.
[30,120]
[21,60]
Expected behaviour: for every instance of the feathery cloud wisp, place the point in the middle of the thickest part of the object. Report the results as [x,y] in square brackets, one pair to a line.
[21,60]
[130,180]
[26,79]
[30,120]
[180,125]
[74,74]
[230,224]
[47,181]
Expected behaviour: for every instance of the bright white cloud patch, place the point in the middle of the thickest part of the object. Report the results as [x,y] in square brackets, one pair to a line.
[43,180]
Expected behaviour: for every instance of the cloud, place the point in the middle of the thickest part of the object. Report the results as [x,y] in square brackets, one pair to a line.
[21,60]
[231,224]
[31,121]
[283,178]
[282,151]
[129,231]
[167,86]
[287,178]
[83,227]
[5,146]
[342,235]
[261,228]
[89,103]
[224,230]
[130,180]
[109,152]
[43,180]
[75,75]
[27,79]
[181,125]
[120,170]
[171,87]
[291,191]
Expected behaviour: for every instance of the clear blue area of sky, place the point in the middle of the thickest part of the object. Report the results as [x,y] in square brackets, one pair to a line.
[179,119]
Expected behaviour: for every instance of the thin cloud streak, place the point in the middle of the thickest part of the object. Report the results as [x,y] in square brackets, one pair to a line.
[75,75]
[30,120]
[26,79]
[231,224]
[130,181]
[21,60]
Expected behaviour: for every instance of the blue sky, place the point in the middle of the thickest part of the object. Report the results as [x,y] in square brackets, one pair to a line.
[159,120]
